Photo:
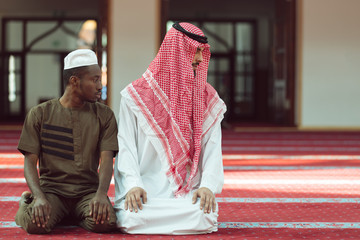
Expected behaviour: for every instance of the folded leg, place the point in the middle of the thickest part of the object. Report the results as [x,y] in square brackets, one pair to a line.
[167,216]
[23,216]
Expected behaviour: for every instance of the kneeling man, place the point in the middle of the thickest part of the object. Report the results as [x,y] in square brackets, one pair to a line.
[169,164]
[66,138]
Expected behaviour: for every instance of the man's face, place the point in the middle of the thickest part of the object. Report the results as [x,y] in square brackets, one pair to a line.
[90,84]
[198,58]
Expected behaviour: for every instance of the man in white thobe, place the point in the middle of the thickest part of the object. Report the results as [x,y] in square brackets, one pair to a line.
[169,165]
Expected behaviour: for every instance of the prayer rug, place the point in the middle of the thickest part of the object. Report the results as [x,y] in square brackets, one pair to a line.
[278,185]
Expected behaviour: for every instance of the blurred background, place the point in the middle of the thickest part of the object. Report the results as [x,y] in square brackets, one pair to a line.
[276,63]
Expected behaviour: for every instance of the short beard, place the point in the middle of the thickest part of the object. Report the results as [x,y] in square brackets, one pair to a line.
[195,65]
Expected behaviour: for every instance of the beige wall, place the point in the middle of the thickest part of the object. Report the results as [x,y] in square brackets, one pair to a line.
[134,42]
[329,58]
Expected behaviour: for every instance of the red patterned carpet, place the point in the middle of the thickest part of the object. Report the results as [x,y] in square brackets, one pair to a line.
[278,185]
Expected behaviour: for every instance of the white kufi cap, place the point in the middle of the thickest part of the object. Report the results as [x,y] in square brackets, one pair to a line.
[80,58]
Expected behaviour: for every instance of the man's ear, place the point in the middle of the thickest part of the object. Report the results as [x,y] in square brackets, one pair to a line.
[74,80]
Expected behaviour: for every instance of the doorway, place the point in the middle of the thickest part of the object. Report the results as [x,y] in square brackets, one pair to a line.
[32,59]
[252,64]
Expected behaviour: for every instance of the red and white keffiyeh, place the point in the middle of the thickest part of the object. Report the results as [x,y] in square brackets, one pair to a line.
[178,108]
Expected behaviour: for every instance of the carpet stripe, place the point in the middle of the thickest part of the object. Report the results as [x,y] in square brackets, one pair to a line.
[249,181]
[14,142]
[242,167]
[291,149]
[290,142]
[11,166]
[9,199]
[285,168]
[8,224]
[289,200]
[292,181]
[339,225]
[342,225]
[297,157]
[11,155]
[7,147]
[12,180]
[250,156]
[248,200]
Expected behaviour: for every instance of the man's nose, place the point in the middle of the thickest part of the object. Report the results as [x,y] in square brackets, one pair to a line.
[99,85]
[200,57]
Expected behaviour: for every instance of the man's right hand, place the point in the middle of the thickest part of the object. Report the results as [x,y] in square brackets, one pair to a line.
[133,199]
[41,211]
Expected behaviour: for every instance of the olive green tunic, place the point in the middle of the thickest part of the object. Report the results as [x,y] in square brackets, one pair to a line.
[68,143]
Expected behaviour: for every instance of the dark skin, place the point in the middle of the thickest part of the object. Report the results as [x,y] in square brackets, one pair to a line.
[42,208]
[77,93]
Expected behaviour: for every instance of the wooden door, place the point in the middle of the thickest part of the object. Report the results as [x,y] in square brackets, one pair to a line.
[282,99]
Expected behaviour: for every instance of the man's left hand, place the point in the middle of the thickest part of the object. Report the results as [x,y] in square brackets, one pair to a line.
[100,208]
[207,199]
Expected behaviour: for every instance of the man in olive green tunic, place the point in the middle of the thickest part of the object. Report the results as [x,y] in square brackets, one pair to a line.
[68,137]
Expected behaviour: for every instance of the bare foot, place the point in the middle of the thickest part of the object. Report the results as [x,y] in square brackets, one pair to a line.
[25,198]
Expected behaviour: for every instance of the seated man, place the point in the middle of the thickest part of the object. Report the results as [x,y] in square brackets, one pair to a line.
[170,142]
[67,137]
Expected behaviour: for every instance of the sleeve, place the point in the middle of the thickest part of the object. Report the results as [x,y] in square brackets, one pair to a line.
[212,175]
[108,140]
[30,135]
[127,167]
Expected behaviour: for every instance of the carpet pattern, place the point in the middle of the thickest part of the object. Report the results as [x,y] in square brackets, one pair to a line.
[278,185]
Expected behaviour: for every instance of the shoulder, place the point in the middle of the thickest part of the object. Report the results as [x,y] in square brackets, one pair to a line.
[140,83]
[42,108]
[45,105]
[102,111]
[101,107]
[129,90]
[210,93]
[210,90]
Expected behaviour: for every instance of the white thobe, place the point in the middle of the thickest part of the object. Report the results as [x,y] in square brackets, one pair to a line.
[138,164]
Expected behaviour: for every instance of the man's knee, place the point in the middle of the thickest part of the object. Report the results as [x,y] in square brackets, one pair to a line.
[23,219]
[32,228]
[173,222]
[127,221]
[108,225]
[210,218]
[90,225]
